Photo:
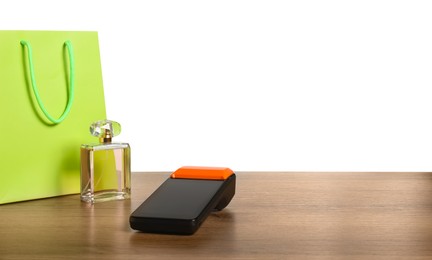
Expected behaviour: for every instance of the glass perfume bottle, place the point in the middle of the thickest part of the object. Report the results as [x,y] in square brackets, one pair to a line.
[105,167]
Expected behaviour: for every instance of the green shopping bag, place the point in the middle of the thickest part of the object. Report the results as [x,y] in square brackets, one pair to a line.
[43,127]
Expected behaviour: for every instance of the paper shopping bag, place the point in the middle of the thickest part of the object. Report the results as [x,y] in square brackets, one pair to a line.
[50,92]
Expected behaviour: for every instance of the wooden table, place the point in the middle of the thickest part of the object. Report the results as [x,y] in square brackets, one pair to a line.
[292,215]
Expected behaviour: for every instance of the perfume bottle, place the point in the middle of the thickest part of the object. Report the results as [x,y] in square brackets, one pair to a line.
[105,166]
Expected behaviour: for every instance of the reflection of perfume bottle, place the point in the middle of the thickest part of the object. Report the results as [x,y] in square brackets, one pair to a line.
[105,167]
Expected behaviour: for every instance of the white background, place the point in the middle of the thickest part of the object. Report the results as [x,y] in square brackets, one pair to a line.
[259,85]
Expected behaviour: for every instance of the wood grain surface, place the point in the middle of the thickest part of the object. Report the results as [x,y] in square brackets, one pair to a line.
[274,215]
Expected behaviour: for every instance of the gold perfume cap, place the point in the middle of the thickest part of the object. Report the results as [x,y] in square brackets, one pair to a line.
[105,130]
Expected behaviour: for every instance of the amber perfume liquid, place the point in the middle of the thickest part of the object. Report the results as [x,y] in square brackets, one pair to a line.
[105,172]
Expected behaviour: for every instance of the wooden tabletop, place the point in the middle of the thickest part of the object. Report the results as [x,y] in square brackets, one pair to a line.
[291,215]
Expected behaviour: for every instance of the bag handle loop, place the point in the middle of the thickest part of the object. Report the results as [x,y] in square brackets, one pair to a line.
[71,82]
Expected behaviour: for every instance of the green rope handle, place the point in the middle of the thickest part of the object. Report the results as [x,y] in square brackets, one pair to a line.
[71,82]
